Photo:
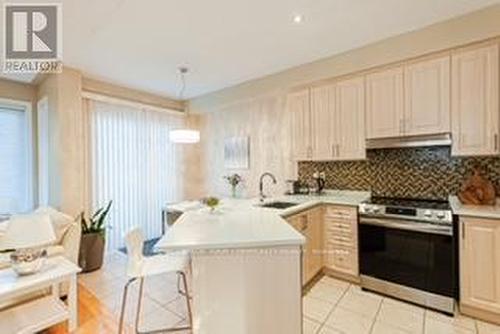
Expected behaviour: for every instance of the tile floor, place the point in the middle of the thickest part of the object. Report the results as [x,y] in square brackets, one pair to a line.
[331,306]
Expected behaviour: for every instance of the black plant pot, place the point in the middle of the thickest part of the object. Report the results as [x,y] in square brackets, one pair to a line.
[91,252]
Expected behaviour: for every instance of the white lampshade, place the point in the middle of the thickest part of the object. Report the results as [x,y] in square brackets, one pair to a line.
[26,231]
[184,136]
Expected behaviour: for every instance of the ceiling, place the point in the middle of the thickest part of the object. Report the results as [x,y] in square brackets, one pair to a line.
[140,44]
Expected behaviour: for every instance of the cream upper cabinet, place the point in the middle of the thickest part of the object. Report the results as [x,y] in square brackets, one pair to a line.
[323,122]
[480,264]
[350,120]
[474,101]
[384,103]
[328,121]
[409,101]
[298,106]
[427,97]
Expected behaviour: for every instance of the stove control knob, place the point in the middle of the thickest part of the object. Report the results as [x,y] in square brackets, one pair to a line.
[428,213]
[376,209]
[440,215]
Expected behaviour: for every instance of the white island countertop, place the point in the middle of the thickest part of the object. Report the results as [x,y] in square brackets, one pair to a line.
[241,223]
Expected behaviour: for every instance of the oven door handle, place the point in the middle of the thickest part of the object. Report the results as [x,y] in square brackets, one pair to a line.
[408,225]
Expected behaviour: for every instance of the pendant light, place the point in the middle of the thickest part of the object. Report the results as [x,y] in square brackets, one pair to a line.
[184,136]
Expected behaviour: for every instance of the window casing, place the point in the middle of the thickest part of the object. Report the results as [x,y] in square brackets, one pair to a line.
[16,157]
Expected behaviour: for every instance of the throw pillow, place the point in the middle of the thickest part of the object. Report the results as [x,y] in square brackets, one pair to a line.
[60,221]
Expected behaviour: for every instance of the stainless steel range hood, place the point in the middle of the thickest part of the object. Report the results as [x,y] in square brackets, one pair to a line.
[411,141]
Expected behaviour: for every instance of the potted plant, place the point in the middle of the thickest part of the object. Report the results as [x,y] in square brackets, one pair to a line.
[211,202]
[93,238]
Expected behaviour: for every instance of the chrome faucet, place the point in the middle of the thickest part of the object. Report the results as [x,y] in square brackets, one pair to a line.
[261,184]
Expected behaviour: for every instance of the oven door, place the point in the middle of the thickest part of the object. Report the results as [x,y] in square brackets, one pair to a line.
[409,253]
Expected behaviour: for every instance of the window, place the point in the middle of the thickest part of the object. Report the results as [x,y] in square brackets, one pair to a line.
[16,172]
[135,165]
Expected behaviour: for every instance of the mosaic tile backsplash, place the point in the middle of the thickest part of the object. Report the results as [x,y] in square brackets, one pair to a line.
[427,173]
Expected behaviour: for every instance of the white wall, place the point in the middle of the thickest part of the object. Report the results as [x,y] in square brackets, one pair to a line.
[265,122]
[256,108]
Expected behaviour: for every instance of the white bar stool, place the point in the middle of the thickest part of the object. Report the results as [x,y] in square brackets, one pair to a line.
[139,267]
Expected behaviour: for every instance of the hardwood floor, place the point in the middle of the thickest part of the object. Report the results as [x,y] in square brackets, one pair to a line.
[94,317]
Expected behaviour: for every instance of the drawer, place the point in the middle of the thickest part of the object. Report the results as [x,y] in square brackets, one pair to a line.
[341,212]
[338,225]
[339,228]
[344,260]
[336,241]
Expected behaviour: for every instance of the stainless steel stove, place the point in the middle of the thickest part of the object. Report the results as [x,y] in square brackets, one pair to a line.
[414,214]
[408,250]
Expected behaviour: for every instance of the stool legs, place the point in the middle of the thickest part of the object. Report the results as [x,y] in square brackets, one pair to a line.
[139,305]
[181,277]
[124,302]
[185,293]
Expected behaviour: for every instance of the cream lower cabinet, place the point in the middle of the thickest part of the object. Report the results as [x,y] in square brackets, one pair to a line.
[310,224]
[480,267]
[340,233]
[331,240]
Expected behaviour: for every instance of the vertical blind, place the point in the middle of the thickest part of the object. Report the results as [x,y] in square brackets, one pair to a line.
[135,165]
[15,157]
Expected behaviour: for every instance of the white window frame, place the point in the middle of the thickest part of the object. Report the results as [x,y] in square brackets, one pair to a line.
[42,111]
[30,168]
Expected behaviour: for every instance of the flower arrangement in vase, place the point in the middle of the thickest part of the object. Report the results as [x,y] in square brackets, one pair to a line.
[233,181]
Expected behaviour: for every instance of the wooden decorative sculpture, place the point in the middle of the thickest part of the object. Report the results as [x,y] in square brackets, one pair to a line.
[477,190]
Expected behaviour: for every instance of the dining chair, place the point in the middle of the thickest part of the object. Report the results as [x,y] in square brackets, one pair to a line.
[139,267]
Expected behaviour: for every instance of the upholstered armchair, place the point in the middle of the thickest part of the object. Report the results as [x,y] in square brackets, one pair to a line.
[67,244]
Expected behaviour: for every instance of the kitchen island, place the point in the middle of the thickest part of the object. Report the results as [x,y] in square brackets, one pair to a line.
[246,264]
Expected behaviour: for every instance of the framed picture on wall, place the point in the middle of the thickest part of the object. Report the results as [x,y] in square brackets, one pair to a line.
[236,153]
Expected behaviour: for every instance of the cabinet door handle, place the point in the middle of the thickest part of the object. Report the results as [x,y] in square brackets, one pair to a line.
[463,230]
[495,138]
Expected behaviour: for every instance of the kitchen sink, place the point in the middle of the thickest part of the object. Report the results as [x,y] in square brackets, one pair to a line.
[278,205]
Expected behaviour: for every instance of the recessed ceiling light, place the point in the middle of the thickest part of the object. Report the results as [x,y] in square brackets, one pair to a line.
[297,18]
